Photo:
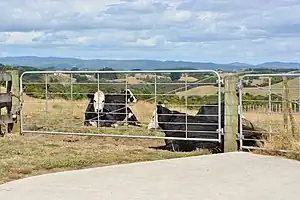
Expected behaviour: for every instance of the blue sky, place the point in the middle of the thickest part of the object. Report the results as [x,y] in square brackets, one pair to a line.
[220,31]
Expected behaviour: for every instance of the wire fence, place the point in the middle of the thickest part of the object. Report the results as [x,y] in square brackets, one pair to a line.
[162,104]
[272,103]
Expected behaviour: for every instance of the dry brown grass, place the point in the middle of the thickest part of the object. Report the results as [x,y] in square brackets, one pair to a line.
[66,115]
[130,80]
[29,155]
[33,154]
[188,79]
[282,139]
[201,90]
[277,88]
[148,75]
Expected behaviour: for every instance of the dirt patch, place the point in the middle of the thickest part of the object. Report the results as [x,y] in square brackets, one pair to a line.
[130,80]
[188,79]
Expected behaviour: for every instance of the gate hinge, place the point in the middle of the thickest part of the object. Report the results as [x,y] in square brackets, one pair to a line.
[221,131]
[241,136]
[239,85]
[221,81]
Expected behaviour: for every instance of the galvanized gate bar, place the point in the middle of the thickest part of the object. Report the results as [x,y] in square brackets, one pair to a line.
[270,92]
[47,95]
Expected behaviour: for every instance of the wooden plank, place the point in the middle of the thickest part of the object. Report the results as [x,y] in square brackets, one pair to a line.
[5,98]
[6,119]
[231,114]
[15,89]
[5,76]
[285,104]
[288,106]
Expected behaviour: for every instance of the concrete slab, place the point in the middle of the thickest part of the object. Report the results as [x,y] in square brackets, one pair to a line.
[229,176]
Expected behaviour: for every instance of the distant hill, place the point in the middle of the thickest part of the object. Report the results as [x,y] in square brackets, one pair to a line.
[68,63]
[240,64]
[279,65]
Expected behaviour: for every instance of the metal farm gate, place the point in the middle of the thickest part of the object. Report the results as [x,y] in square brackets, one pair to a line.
[56,102]
[270,104]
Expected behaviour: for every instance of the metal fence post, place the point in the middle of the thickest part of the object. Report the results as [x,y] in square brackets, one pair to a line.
[231,113]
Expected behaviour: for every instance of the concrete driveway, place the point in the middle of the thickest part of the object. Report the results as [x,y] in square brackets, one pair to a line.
[229,176]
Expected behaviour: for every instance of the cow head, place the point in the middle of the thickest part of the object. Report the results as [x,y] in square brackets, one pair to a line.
[156,117]
[97,100]
[130,97]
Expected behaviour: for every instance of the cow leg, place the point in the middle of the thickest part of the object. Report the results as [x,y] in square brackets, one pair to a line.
[93,123]
[110,121]
[172,145]
[214,147]
[131,118]
[86,123]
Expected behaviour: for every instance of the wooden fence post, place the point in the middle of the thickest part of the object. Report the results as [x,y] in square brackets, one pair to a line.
[231,114]
[288,107]
[15,89]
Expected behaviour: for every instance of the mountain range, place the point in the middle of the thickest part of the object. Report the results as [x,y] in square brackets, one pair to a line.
[68,63]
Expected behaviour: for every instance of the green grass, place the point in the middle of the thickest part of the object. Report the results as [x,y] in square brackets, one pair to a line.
[29,155]
[33,154]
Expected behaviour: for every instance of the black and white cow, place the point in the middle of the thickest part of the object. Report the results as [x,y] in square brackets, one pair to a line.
[173,124]
[110,109]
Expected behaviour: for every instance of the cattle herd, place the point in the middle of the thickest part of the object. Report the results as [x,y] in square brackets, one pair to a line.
[111,110]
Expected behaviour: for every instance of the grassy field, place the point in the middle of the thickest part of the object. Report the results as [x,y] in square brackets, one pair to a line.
[31,154]
[34,154]
[277,88]
[201,90]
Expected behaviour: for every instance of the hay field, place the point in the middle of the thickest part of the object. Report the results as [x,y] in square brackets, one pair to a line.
[130,80]
[34,154]
[188,79]
[201,90]
[68,116]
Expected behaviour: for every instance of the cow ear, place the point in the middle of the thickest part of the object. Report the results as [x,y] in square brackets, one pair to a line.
[90,96]
[160,108]
[161,104]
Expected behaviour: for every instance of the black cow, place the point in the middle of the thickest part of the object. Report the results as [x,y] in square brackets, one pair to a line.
[209,114]
[108,110]
[173,123]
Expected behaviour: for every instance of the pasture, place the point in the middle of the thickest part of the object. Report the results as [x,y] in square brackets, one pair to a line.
[33,154]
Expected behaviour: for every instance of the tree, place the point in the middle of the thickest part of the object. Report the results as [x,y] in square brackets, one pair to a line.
[7,67]
[110,76]
[175,76]
[75,69]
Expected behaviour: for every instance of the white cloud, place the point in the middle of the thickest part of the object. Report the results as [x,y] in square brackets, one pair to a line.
[19,37]
[206,30]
